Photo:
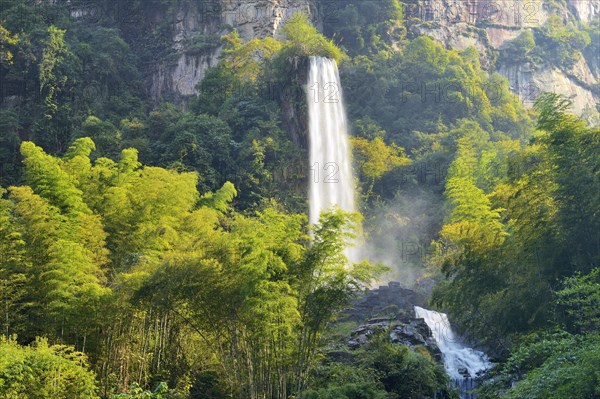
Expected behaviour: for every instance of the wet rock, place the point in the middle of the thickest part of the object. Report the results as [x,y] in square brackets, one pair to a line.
[363,333]
[412,333]
[387,301]
[392,307]
[464,372]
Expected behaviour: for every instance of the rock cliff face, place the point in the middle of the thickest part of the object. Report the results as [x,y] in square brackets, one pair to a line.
[195,28]
[489,24]
[390,308]
[207,21]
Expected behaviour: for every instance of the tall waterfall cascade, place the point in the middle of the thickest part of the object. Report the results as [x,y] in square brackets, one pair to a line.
[461,363]
[332,179]
[332,184]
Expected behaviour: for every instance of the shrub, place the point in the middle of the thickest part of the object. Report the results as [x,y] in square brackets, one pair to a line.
[42,371]
[303,39]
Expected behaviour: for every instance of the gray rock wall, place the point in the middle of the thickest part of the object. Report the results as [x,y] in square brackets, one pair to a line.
[251,18]
[489,24]
[485,24]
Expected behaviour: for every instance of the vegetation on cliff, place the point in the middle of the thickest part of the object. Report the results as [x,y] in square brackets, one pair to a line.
[159,250]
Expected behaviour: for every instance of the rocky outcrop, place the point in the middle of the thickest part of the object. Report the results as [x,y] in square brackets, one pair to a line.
[261,18]
[195,28]
[390,301]
[528,83]
[412,333]
[182,77]
[206,21]
[585,10]
[390,309]
[488,25]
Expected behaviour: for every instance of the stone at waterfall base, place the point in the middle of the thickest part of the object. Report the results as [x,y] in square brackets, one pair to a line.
[390,308]
[412,334]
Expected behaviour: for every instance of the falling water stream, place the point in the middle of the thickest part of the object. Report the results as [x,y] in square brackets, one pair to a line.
[332,184]
[461,363]
[332,181]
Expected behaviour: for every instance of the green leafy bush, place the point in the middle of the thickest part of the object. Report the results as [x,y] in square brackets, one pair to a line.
[365,26]
[518,50]
[160,392]
[303,40]
[43,371]
[200,44]
[404,374]
[380,369]
[561,43]
[554,366]
[347,391]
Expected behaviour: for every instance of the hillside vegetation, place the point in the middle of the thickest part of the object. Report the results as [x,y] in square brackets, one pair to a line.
[161,250]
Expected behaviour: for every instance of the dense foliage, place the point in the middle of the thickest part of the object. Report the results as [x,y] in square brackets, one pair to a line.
[116,258]
[509,245]
[381,370]
[62,80]
[556,42]
[42,371]
[534,226]
[157,249]
[518,238]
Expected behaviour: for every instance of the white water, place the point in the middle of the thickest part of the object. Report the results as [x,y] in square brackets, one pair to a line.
[456,355]
[331,181]
[332,184]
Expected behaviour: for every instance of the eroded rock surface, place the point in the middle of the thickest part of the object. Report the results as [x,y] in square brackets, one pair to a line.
[488,25]
[208,20]
[390,309]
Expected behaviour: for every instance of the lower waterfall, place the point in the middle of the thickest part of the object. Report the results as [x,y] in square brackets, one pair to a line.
[461,363]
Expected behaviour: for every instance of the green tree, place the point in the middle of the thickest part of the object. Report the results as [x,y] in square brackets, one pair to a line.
[13,271]
[519,50]
[573,150]
[202,143]
[403,373]
[53,54]
[105,135]
[375,158]
[41,371]
[365,26]
[303,39]
[561,42]
[557,364]
[6,41]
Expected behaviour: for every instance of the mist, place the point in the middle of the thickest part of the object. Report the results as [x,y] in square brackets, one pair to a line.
[398,233]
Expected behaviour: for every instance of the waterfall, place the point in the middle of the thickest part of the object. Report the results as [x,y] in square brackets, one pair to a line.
[331,181]
[332,184]
[461,363]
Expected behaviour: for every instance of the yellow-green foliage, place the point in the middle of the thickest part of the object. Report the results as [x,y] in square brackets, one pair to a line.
[303,39]
[93,244]
[43,371]
[375,158]
[6,40]
[244,58]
